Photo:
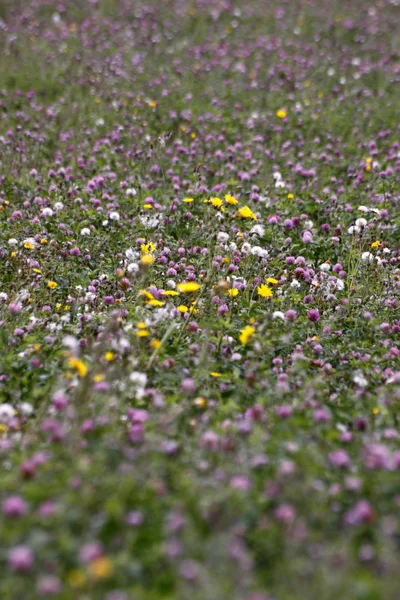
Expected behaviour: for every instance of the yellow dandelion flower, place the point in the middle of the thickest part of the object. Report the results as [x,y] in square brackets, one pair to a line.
[43,241]
[99,377]
[188,286]
[29,246]
[141,333]
[290,196]
[187,200]
[155,343]
[375,411]
[148,248]
[170,293]
[146,294]
[100,568]
[230,199]
[281,113]
[147,260]
[79,366]
[182,308]
[264,291]
[155,302]
[246,333]
[141,325]
[147,206]
[216,202]
[376,244]
[246,213]
[215,374]
[109,356]
[152,104]
[52,285]
[13,254]
[38,271]
[232,292]
[272,280]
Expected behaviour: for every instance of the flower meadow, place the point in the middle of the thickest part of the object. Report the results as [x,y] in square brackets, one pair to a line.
[199,300]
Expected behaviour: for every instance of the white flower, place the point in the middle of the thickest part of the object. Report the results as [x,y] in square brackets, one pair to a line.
[361,222]
[295,284]
[3,296]
[308,224]
[131,254]
[25,408]
[363,208]
[85,231]
[6,412]
[47,212]
[105,223]
[277,314]
[353,229]
[100,122]
[171,284]
[222,237]
[246,248]
[367,257]
[132,268]
[114,216]
[232,246]
[257,230]
[139,379]
[131,192]
[258,251]
[325,267]
[12,242]
[58,206]
[360,380]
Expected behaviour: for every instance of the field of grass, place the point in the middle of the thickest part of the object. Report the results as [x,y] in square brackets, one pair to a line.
[199,300]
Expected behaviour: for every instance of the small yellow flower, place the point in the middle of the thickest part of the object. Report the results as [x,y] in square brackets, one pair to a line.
[217,202]
[76,578]
[230,199]
[29,246]
[170,293]
[43,241]
[272,280]
[232,292]
[152,104]
[148,248]
[155,302]
[147,206]
[290,196]
[188,286]
[79,366]
[187,200]
[200,402]
[38,271]
[375,245]
[183,309]
[246,213]
[264,291]
[146,294]
[147,260]
[155,343]
[375,411]
[36,347]
[246,334]
[281,113]
[215,374]
[141,325]
[13,254]
[109,356]
[141,333]
[100,568]
[52,285]
[99,377]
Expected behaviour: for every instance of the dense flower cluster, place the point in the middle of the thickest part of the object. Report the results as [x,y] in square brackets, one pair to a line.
[199,301]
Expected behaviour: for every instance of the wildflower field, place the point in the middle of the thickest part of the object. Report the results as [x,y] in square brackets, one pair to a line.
[199,300]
